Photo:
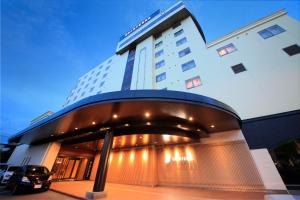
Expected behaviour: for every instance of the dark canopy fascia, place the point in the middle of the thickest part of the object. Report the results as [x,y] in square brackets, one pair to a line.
[169,110]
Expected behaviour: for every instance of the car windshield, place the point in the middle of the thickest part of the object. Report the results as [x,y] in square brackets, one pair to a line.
[13,168]
[36,170]
[3,167]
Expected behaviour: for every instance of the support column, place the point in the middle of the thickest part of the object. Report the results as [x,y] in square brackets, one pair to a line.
[99,185]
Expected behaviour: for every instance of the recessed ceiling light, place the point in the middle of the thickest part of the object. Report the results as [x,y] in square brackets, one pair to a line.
[51,135]
[191,118]
[148,123]
[76,128]
[212,126]
[178,125]
[126,125]
[115,116]
[141,137]
[198,129]
[93,123]
[147,114]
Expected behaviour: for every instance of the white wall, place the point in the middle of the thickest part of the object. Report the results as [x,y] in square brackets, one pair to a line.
[35,155]
[267,170]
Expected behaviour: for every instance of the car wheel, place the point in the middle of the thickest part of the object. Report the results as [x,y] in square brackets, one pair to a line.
[15,190]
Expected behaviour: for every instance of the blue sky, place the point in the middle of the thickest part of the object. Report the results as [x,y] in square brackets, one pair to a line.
[46,45]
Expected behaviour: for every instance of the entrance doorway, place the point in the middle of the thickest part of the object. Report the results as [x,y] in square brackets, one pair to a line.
[72,168]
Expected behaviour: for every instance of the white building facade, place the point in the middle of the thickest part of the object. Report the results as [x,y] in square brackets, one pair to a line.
[255,70]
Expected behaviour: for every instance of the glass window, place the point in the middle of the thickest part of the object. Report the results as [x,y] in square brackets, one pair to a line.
[98,74]
[95,81]
[82,94]
[75,98]
[181,41]
[271,31]
[109,61]
[107,67]
[92,72]
[100,67]
[188,65]
[193,82]
[176,25]
[238,68]
[158,44]
[164,88]
[89,78]
[82,83]
[161,77]
[159,53]
[160,64]
[176,34]
[99,92]
[78,90]
[86,85]
[184,52]
[104,75]
[91,89]
[292,50]
[102,83]
[226,49]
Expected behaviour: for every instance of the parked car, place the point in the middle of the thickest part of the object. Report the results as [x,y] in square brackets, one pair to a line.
[8,173]
[30,178]
[3,168]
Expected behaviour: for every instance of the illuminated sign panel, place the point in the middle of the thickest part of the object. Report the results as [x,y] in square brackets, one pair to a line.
[140,24]
[147,24]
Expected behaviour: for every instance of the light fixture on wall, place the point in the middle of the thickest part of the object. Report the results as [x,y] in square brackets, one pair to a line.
[115,116]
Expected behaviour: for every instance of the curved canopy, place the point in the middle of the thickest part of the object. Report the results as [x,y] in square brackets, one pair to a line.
[133,112]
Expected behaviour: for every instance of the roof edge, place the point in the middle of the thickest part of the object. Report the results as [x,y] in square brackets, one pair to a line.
[245,28]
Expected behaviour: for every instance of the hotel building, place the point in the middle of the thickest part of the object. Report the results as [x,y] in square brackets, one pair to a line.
[171,109]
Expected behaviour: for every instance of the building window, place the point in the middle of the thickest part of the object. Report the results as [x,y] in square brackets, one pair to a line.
[176,25]
[226,49]
[78,90]
[161,77]
[95,81]
[75,98]
[100,67]
[181,41]
[86,85]
[104,75]
[102,83]
[82,83]
[188,65]
[164,88]
[92,72]
[159,53]
[238,68]
[160,64]
[90,78]
[109,61]
[271,31]
[91,89]
[99,92]
[98,74]
[158,35]
[193,82]
[176,34]
[82,94]
[292,50]
[184,52]
[158,44]
[107,67]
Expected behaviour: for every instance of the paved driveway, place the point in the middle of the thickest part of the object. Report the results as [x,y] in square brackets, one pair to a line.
[49,195]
